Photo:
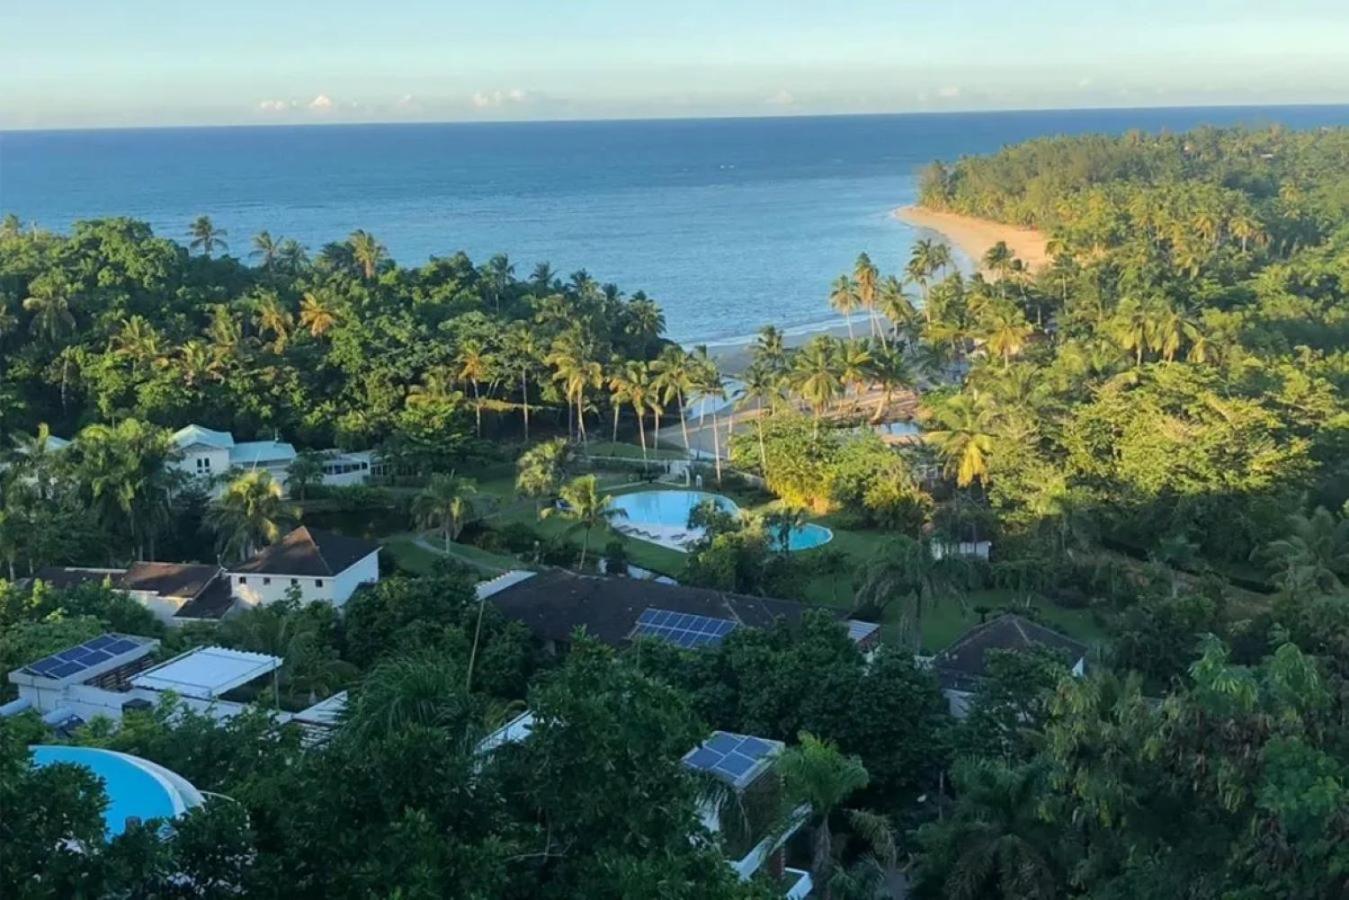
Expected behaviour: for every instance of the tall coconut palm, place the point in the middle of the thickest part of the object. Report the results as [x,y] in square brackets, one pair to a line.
[1132,327]
[1314,555]
[817,780]
[582,505]
[765,387]
[896,306]
[125,471]
[49,302]
[962,438]
[293,255]
[711,387]
[542,277]
[138,340]
[889,370]
[367,252]
[577,371]
[35,455]
[867,279]
[854,368]
[923,264]
[317,314]
[520,347]
[1006,332]
[498,274]
[815,376]
[266,249]
[1000,845]
[632,385]
[271,315]
[645,321]
[250,513]
[474,365]
[206,237]
[906,572]
[843,298]
[445,505]
[770,349]
[673,379]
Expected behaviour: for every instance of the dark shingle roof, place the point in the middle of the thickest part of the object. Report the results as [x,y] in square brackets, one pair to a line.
[309,551]
[170,579]
[69,576]
[211,603]
[554,603]
[962,664]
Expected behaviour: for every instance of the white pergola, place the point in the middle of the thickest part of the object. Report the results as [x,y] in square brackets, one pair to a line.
[206,673]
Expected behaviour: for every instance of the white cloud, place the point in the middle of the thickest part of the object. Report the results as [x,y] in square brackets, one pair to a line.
[781,98]
[276,106]
[321,102]
[407,101]
[492,99]
[949,93]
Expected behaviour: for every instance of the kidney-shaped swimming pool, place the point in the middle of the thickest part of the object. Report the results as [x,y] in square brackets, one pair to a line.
[664,517]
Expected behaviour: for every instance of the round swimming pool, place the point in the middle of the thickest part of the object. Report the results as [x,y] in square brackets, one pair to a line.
[663,517]
[136,788]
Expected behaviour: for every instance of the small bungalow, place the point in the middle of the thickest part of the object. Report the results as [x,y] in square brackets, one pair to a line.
[322,565]
[961,667]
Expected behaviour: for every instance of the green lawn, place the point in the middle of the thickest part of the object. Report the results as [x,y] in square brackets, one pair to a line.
[633,451]
[419,560]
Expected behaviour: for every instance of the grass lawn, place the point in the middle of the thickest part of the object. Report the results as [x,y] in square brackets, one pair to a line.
[419,560]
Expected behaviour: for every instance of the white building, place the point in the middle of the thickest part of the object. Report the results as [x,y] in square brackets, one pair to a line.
[322,565]
[112,673]
[343,468]
[177,593]
[210,455]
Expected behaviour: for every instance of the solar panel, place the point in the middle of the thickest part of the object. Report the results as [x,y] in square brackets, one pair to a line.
[682,629]
[73,660]
[730,756]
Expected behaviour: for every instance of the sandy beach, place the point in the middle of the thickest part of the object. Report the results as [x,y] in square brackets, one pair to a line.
[974,236]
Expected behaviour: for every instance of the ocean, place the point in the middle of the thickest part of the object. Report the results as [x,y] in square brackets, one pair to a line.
[728,223]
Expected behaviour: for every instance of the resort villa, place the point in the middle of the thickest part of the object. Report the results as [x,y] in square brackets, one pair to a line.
[208,454]
[319,566]
[617,611]
[961,667]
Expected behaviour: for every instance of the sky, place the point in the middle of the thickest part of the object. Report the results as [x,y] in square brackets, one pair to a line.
[114,63]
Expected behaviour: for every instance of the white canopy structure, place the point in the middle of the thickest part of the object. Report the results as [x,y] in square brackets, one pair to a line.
[206,673]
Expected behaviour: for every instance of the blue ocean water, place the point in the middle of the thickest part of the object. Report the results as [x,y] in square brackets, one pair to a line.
[728,223]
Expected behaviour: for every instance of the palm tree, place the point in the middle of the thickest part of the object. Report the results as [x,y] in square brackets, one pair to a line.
[35,454]
[436,388]
[137,339]
[498,273]
[1131,327]
[580,502]
[475,366]
[890,371]
[445,504]
[962,438]
[542,277]
[1000,843]
[316,314]
[293,255]
[1314,555]
[926,258]
[766,388]
[631,383]
[49,301]
[541,469]
[896,306]
[125,470]
[854,368]
[673,380]
[770,349]
[1000,260]
[367,252]
[645,322]
[522,354]
[271,315]
[576,369]
[206,237]
[843,298]
[907,571]
[866,278]
[265,248]
[250,512]
[711,386]
[1006,333]
[817,779]
[815,375]
[305,470]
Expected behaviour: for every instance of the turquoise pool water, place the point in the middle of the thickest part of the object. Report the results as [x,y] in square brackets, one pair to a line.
[670,510]
[133,788]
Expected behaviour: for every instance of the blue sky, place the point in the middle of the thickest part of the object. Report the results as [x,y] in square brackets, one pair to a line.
[77,63]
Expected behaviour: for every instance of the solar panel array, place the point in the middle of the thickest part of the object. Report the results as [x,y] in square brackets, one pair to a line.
[730,756]
[85,656]
[682,629]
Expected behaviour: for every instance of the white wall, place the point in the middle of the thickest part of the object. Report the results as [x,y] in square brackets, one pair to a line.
[258,590]
[201,460]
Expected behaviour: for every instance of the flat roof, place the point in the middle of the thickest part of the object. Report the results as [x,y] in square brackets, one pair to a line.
[85,661]
[206,673]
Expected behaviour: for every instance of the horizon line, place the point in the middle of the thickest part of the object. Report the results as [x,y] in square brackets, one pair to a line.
[676,118]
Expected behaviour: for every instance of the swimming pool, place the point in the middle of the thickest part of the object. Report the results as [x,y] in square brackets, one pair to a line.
[136,788]
[662,517]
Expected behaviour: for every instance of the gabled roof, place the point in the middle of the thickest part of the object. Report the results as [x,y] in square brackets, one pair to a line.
[191,435]
[212,603]
[554,603]
[963,663]
[69,576]
[252,453]
[185,580]
[309,552]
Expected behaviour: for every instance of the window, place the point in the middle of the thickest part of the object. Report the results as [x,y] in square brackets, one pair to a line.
[243,580]
[318,582]
[295,582]
[203,464]
[266,581]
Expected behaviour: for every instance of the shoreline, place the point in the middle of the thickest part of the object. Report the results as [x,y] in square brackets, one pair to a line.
[973,236]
